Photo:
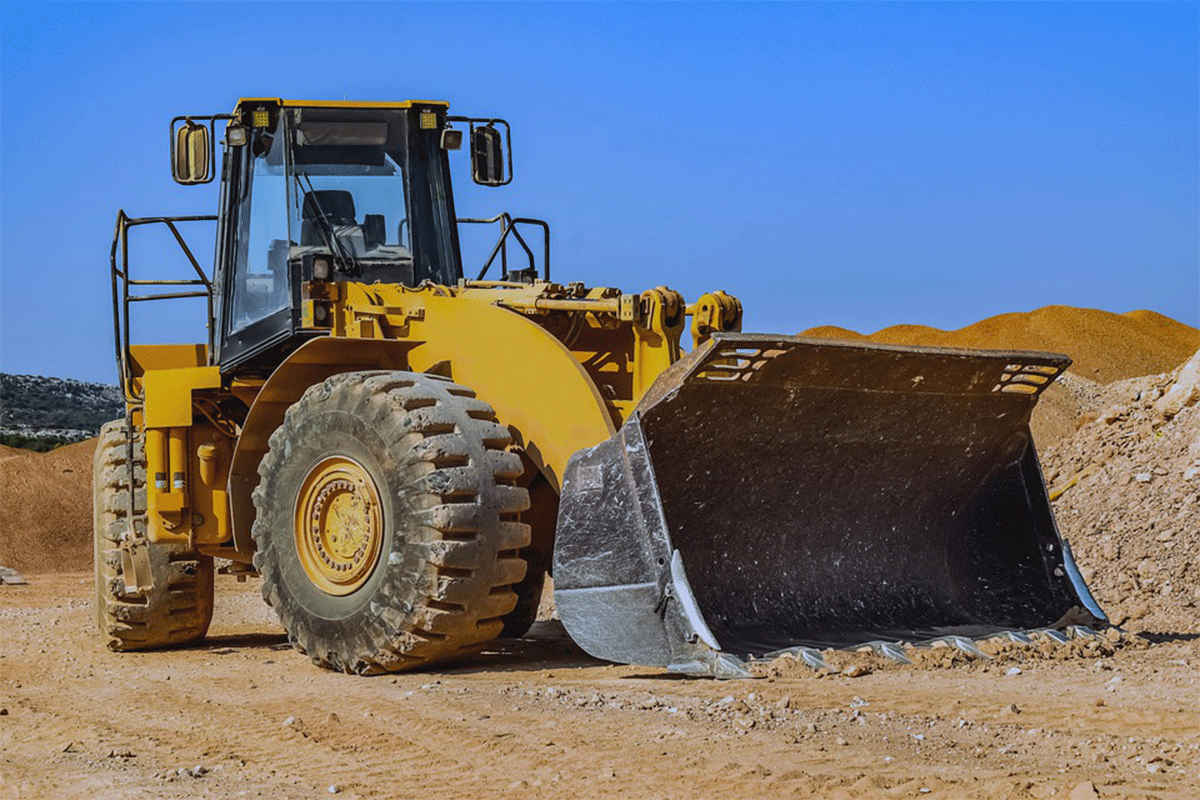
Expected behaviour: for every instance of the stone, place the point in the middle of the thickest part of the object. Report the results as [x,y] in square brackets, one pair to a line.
[1183,393]
[1084,791]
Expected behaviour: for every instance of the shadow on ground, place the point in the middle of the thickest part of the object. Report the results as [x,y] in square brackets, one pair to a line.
[546,646]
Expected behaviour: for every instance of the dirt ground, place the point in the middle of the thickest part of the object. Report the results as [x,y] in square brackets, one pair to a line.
[246,716]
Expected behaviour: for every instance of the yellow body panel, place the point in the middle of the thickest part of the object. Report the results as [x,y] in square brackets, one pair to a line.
[169,394]
[536,386]
[562,367]
[146,357]
[177,511]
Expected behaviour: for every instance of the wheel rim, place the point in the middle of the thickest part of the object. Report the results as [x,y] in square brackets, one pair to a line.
[338,525]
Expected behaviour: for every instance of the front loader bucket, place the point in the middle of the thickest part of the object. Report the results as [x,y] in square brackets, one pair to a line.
[772,492]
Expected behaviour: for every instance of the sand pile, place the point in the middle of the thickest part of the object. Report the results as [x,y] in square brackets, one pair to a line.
[1106,347]
[7,452]
[46,508]
[1130,502]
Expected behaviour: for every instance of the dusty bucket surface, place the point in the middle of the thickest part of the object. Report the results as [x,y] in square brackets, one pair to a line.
[772,491]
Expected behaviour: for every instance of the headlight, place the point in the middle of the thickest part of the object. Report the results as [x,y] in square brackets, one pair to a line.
[235,135]
[320,268]
[451,138]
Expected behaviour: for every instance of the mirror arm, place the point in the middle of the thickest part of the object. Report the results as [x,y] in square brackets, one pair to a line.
[472,122]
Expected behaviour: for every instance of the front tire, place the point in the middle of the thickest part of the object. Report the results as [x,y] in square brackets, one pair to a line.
[386,530]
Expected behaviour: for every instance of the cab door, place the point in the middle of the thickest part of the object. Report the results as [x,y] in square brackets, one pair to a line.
[259,312]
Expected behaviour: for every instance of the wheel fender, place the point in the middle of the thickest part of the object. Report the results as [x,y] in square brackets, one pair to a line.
[533,382]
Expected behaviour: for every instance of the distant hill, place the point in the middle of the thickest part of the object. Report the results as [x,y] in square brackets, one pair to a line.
[1105,346]
[40,413]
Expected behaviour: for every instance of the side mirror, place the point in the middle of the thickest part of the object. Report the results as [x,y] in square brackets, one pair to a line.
[191,154]
[487,156]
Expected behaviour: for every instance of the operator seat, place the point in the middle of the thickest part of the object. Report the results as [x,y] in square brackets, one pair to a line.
[337,206]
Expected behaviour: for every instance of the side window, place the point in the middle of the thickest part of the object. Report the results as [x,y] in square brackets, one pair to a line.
[260,268]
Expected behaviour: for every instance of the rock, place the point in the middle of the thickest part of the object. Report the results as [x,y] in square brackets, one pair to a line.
[1142,477]
[1084,791]
[1183,393]
[11,576]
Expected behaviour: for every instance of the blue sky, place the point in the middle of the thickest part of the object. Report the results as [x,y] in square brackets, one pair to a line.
[853,164]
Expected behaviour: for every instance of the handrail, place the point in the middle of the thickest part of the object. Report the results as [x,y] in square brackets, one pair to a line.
[121,283]
[508,224]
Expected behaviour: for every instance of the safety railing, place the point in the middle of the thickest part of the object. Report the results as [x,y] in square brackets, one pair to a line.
[122,283]
[508,225]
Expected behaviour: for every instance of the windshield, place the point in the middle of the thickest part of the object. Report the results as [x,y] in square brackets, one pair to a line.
[349,196]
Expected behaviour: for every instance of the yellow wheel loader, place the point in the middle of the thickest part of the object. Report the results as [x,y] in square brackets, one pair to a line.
[402,453]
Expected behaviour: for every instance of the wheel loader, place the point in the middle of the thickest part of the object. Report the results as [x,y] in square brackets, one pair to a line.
[402,453]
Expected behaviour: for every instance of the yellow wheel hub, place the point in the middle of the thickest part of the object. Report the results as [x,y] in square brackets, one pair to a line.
[339,525]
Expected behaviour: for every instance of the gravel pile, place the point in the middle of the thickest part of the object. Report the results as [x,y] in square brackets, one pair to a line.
[1127,488]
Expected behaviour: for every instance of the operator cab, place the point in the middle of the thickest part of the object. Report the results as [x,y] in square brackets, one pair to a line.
[366,186]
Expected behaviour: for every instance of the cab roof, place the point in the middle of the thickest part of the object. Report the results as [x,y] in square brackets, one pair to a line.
[341,103]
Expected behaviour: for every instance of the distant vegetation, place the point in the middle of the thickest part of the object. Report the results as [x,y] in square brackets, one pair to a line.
[40,444]
[39,413]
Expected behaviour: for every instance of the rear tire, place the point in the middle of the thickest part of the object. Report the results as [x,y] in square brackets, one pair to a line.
[179,607]
[387,527]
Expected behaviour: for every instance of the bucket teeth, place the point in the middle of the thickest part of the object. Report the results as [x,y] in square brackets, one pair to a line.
[896,651]
[712,664]
[965,645]
[1082,632]
[890,650]
[1058,637]
[810,656]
